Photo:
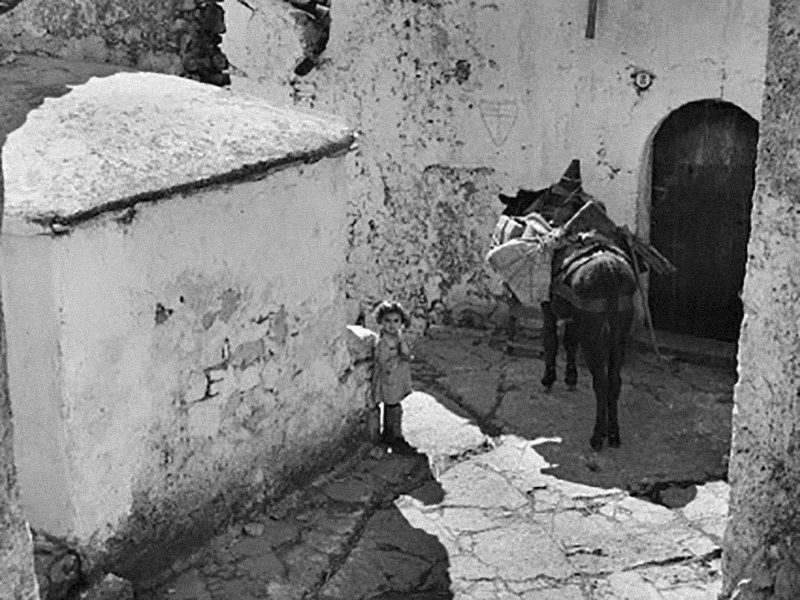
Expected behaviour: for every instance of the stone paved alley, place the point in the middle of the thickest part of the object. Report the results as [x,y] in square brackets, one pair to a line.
[505,499]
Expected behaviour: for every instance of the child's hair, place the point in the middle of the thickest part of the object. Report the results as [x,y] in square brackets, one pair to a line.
[388,307]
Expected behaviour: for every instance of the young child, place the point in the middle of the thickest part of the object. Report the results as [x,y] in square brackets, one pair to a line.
[392,373]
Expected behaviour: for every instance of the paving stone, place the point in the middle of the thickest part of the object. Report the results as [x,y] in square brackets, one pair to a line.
[521,551]
[709,591]
[628,585]
[632,510]
[566,592]
[467,567]
[241,589]
[435,431]
[253,529]
[709,509]
[390,530]
[306,566]
[358,577]
[266,566]
[189,586]
[391,468]
[112,587]
[472,388]
[482,590]
[468,484]
[342,525]
[278,590]
[404,572]
[518,460]
[326,542]
[597,545]
[351,491]
[427,520]
[250,546]
[460,520]
[677,496]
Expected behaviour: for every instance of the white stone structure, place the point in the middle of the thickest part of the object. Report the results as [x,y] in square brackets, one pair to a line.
[173,265]
[458,100]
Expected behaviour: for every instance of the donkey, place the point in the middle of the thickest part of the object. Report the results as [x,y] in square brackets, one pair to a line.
[591,288]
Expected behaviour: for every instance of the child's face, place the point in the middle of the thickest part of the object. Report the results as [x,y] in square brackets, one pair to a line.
[391,324]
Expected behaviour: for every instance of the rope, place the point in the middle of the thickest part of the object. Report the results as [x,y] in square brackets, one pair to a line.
[648,319]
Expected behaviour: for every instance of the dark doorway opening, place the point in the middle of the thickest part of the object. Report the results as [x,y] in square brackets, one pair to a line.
[704,157]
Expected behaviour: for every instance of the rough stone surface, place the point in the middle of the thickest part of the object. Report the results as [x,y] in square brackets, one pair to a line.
[110,587]
[483,516]
[762,538]
[133,136]
[147,34]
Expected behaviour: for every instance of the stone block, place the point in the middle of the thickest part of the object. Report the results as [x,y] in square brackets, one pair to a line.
[360,342]
[110,587]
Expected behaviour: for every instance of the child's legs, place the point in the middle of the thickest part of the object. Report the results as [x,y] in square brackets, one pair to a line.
[392,421]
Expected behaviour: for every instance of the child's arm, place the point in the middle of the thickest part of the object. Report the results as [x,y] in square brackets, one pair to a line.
[404,350]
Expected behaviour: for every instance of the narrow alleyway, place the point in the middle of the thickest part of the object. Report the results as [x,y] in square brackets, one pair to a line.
[504,500]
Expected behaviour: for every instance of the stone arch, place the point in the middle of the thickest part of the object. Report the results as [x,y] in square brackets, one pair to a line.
[701,175]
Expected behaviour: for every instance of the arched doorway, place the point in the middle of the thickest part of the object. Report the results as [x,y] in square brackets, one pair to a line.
[704,157]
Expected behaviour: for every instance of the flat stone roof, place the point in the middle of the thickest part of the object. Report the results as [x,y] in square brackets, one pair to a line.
[107,142]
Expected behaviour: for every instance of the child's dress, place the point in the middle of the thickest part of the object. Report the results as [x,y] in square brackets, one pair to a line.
[392,373]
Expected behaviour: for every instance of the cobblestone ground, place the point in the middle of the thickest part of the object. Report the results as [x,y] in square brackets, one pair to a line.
[504,499]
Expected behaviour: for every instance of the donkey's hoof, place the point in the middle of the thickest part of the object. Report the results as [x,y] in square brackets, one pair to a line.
[548,380]
[614,441]
[571,380]
[596,443]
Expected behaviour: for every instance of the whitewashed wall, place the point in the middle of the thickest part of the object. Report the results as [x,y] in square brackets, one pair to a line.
[172,362]
[458,100]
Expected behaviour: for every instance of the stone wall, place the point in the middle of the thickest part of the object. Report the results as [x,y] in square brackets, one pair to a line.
[500,94]
[762,545]
[169,36]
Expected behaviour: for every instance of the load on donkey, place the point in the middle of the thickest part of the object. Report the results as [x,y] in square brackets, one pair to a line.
[557,248]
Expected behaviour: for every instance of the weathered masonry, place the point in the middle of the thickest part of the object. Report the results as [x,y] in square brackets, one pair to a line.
[762,545]
[173,259]
[458,100]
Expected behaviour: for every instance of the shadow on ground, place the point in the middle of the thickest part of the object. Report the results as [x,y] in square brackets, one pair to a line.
[341,538]
[675,416]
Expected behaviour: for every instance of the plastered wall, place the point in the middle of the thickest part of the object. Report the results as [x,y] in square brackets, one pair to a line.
[175,312]
[500,94]
[175,370]
[762,542]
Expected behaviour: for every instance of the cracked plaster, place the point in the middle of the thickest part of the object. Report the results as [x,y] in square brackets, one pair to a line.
[194,354]
[457,101]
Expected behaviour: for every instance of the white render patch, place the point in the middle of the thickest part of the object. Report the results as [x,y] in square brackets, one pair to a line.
[135,136]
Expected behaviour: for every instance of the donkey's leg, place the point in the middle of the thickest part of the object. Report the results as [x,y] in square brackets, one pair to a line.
[615,387]
[597,361]
[550,342]
[513,310]
[571,346]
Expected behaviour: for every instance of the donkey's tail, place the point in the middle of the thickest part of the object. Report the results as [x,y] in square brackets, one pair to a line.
[608,331]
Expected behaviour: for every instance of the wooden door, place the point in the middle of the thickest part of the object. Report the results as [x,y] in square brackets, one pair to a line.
[703,176]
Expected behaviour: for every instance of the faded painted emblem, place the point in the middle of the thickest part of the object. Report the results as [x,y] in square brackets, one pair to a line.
[499,117]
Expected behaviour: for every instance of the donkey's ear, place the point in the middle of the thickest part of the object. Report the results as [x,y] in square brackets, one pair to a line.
[506,199]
